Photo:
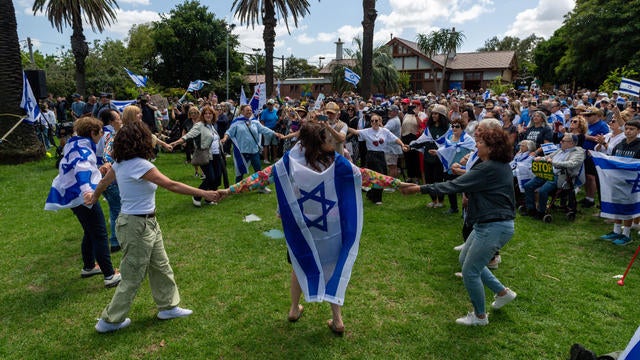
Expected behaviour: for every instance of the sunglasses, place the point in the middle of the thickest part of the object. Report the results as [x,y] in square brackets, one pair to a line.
[456,126]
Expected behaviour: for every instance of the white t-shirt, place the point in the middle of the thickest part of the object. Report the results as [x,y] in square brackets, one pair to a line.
[378,140]
[137,195]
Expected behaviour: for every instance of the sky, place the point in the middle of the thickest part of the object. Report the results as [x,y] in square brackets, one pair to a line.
[328,20]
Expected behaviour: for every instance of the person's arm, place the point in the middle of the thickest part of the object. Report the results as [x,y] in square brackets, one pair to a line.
[353,131]
[337,135]
[378,180]
[92,197]
[477,178]
[155,176]
[573,161]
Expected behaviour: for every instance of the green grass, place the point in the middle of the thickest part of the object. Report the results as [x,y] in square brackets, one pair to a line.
[401,303]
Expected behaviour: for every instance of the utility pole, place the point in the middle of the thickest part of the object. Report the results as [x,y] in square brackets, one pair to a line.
[282,67]
[33,62]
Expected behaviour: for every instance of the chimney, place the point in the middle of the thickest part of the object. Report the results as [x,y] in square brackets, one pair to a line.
[339,44]
[452,54]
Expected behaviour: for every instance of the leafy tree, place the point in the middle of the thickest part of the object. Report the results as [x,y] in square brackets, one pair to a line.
[297,67]
[370,14]
[141,47]
[547,55]
[21,145]
[612,82]
[404,81]
[190,44]
[443,41]
[255,11]
[97,13]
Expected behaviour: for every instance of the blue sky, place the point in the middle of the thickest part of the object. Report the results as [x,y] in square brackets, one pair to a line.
[329,20]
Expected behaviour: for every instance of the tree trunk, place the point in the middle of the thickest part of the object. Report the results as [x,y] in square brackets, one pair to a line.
[80,51]
[368,25]
[269,37]
[21,145]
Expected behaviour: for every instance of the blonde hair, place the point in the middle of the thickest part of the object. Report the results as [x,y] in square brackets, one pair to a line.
[130,114]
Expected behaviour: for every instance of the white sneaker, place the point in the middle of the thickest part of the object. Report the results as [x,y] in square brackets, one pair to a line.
[265,191]
[493,264]
[105,327]
[196,203]
[472,320]
[267,162]
[459,247]
[458,274]
[114,280]
[88,273]
[503,300]
[173,313]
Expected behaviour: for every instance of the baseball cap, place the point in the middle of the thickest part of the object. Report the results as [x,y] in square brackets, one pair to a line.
[331,107]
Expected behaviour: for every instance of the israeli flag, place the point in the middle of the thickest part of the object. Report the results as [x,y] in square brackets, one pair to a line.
[619,186]
[630,87]
[139,80]
[322,220]
[486,95]
[243,96]
[351,77]
[239,163]
[77,174]
[425,138]
[521,166]
[548,148]
[632,351]
[448,149]
[197,85]
[29,102]
[121,104]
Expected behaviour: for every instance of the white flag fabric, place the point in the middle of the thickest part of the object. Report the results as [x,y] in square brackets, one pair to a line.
[318,104]
[322,220]
[619,186]
[139,80]
[521,166]
[259,98]
[548,148]
[29,102]
[77,174]
[630,87]
[243,96]
[351,77]
[197,85]
[448,149]
[632,351]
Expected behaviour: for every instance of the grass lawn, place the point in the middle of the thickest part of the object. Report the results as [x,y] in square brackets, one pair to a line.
[401,303]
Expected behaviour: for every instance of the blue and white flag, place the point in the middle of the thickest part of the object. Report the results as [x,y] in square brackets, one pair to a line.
[548,148]
[521,166]
[425,138]
[632,351]
[121,104]
[29,102]
[278,89]
[243,96]
[448,149]
[322,220]
[486,95]
[77,174]
[259,97]
[239,163]
[630,87]
[619,186]
[196,85]
[351,77]
[139,80]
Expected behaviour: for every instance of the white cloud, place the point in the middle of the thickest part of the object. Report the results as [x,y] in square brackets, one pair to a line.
[305,39]
[542,20]
[135,2]
[127,18]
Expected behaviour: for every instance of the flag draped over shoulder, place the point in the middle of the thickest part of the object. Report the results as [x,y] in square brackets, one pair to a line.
[632,351]
[29,102]
[447,149]
[619,186]
[77,174]
[139,80]
[322,221]
[239,163]
[351,77]
[521,166]
[629,87]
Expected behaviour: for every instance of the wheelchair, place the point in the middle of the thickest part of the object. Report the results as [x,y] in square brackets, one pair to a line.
[566,196]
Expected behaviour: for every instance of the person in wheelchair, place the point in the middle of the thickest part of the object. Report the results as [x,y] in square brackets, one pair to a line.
[566,162]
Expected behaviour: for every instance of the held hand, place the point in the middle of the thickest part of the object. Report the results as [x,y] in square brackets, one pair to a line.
[433,152]
[223,194]
[104,169]
[409,188]
[405,148]
[88,198]
[212,196]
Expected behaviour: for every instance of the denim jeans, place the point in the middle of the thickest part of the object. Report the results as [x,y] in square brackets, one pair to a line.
[112,194]
[544,189]
[254,159]
[94,242]
[482,244]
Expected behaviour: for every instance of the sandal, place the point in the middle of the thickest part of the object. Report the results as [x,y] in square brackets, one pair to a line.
[339,331]
[298,316]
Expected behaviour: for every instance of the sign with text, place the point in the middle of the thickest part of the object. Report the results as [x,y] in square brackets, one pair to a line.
[542,169]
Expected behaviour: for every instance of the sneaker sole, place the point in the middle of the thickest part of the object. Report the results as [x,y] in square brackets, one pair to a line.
[84,276]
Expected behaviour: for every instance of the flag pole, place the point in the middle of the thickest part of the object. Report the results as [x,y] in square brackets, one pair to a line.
[4,138]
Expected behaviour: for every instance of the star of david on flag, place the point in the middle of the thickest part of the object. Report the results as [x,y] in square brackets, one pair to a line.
[351,77]
[619,185]
[317,195]
[29,102]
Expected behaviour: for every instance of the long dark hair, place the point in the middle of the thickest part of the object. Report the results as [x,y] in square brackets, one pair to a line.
[312,136]
[132,141]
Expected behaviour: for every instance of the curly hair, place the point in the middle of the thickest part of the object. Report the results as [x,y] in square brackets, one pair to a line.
[312,136]
[86,126]
[498,143]
[583,126]
[132,141]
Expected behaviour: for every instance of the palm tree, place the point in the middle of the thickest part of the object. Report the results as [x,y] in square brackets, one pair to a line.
[98,13]
[256,11]
[443,41]
[368,25]
[21,145]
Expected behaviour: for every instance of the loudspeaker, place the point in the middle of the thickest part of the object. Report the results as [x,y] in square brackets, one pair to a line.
[38,81]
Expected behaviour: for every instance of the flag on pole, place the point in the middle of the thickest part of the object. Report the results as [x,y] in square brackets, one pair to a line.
[139,80]
[29,102]
[278,89]
[630,87]
[619,186]
[196,85]
[351,77]
[243,96]
[259,97]
[486,95]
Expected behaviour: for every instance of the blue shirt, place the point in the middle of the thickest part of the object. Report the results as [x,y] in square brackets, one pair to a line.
[597,128]
[246,134]
[269,117]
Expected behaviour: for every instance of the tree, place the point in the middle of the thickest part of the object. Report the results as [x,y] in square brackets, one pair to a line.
[21,145]
[190,44]
[98,13]
[370,14]
[523,47]
[443,41]
[547,55]
[255,11]
[297,67]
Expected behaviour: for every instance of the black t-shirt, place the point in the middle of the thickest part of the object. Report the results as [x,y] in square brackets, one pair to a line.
[539,135]
[627,150]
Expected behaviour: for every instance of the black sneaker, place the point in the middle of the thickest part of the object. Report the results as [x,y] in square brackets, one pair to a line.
[585,203]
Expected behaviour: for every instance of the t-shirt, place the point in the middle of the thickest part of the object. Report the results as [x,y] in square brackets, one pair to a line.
[597,128]
[270,118]
[137,195]
[378,140]
[627,150]
[539,134]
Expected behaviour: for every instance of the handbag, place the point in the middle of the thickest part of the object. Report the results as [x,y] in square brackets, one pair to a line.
[200,156]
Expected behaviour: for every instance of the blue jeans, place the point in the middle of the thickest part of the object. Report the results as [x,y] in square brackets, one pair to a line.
[544,189]
[254,159]
[482,244]
[94,242]
[112,194]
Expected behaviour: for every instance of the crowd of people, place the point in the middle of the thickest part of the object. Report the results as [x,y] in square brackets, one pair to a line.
[476,148]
